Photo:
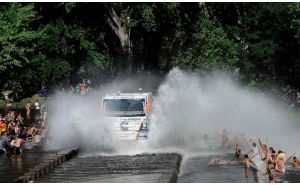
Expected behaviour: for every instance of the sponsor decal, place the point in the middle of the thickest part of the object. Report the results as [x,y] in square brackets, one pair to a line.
[124,126]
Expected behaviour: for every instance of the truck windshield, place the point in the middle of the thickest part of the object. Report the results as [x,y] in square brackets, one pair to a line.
[124,105]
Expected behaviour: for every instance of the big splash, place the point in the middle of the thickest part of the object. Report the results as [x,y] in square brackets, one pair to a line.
[186,107]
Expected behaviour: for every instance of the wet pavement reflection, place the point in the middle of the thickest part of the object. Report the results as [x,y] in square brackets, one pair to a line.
[15,166]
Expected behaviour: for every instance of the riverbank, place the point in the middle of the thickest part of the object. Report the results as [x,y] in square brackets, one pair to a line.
[22,103]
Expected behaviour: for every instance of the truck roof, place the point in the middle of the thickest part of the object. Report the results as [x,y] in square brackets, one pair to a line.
[128,95]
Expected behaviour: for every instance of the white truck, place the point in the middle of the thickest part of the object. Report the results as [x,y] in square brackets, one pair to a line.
[129,114]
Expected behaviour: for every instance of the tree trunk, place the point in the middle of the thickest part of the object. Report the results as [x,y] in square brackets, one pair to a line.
[120,30]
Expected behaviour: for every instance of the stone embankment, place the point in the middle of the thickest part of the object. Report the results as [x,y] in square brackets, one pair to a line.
[45,166]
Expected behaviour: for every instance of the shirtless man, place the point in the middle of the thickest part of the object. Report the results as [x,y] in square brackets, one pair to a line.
[264,150]
[269,155]
[37,137]
[246,162]
[237,152]
[31,131]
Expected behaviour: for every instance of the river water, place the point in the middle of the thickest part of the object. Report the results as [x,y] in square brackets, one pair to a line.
[196,169]
[136,168]
[15,166]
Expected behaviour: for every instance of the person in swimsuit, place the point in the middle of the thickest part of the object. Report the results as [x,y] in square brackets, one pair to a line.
[280,162]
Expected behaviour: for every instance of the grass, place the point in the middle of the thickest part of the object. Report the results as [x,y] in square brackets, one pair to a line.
[22,103]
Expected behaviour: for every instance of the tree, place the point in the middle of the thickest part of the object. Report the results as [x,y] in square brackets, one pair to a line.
[211,49]
[17,38]
[18,43]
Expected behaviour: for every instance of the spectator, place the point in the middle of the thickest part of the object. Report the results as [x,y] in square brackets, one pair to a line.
[3,126]
[37,105]
[28,108]
[77,89]
[6,98]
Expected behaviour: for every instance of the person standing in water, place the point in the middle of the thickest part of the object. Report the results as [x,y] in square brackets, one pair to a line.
[237,152]
[28,107]
[246,162]
[264,150]
[295,162]
[255,151]
[269,155]
[224,138]
[280,162]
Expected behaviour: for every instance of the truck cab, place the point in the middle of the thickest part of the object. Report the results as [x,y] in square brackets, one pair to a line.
[129,114]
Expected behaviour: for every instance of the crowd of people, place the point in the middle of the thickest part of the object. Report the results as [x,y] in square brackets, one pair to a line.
[272,163]
[19,132]
[81,88]
[256,155]
[22,130]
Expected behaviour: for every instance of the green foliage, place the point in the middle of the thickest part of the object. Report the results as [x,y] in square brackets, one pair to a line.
[51,70]
[149,18]
[288,93]
[67,40]
[212,49]
[69,6]
[34,54]
[46,43]
[17,39]
[294,12]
